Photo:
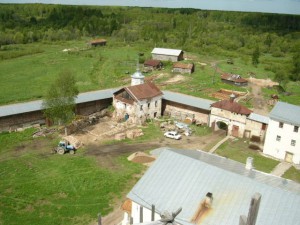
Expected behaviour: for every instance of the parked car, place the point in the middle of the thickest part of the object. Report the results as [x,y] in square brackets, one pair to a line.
[172,134]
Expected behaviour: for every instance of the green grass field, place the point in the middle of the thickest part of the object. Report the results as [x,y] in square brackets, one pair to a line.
[27,70]
[292,174]
[237,150]
[38,187]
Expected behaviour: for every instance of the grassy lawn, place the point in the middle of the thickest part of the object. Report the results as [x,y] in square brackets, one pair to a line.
[38,187]
[292,174]
[34,66]
[238,150]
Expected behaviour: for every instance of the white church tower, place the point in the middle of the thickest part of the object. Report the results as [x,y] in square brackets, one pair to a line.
[137,78]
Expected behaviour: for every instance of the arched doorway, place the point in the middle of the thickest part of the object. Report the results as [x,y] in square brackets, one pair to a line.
[222,126]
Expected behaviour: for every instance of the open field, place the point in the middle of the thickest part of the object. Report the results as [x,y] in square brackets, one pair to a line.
[27,74]
[38,187]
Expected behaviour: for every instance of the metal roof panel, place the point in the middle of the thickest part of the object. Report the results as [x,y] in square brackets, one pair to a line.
[181,178]
[166,51]
[285,112]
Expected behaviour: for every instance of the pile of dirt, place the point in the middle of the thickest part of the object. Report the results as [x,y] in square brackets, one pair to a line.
[140,157]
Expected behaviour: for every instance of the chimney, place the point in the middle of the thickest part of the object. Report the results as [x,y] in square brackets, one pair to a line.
[249,163]
[208,200]
[232,97]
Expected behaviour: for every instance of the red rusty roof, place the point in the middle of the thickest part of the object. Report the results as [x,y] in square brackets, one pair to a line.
[144,91]
[232,106]
[152,62]
[183,65]
[233,77]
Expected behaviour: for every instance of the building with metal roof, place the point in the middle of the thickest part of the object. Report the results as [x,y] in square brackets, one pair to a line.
[258,118]
[183,178]
[283,133]
[285,112]
[166,54]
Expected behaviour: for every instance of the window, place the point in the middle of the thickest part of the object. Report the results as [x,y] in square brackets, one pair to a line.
[293,142]
[155,103]
[280,124]
[141,107]
[278,138]
[149,105]
[296,128]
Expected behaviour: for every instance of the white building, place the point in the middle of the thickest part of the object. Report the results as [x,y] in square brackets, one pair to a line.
[186,179]
[283,133]
[138,102]
[166,54]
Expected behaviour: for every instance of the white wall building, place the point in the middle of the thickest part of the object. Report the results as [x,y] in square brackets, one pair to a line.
[283,133]
[138,102]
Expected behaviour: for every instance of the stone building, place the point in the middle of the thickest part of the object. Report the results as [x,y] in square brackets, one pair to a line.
[138,102]
[230,116]
[166,54]
[153,64]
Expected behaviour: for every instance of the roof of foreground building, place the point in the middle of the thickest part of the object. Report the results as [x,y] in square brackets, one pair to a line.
[182,178]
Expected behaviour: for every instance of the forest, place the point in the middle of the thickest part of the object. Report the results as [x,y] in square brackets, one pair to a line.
[230,34]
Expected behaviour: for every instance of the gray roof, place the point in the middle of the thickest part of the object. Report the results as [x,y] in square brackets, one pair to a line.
[188,100]
[285,112]
[166,51]
[13,109]
[259,118]
[182,178]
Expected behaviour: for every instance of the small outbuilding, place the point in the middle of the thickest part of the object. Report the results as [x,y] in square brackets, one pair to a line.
[166,54]
[234,79]
[153,64]
[183,68]
[97,42]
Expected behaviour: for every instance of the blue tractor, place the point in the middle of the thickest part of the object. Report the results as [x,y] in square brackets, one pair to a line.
[63,147]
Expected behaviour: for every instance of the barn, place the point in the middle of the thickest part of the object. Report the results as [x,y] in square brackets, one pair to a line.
[166,54]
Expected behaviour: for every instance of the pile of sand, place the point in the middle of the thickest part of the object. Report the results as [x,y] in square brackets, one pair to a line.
[140,157]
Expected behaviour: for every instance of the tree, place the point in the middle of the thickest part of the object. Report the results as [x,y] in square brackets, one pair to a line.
[295,76]
[59,103]
[255,56]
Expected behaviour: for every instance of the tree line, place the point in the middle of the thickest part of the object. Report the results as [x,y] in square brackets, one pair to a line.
[230,33]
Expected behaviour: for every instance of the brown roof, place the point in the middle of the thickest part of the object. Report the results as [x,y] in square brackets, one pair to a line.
[152,62]
[233,77]
[183,65]
[232,106]
[144,91]
[97,41]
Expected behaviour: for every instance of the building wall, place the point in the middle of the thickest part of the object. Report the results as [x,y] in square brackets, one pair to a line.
[135,214]
[255,128]
[138,112]
[181,112]
[10,123]
[280,148]
[165,57]
[88,108]
[181,70]
[229,118]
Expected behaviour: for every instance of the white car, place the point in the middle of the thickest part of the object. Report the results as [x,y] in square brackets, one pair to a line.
[172,134]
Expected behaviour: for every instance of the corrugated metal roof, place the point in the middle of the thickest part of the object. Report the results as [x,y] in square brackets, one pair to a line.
[182,178]
[183,65]
[187,100]
[259,118]
[285,112]
[166,51]
[13,109]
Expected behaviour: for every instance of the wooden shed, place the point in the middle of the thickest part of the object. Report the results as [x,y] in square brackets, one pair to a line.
[153,64]
[97,42]
[183,68]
